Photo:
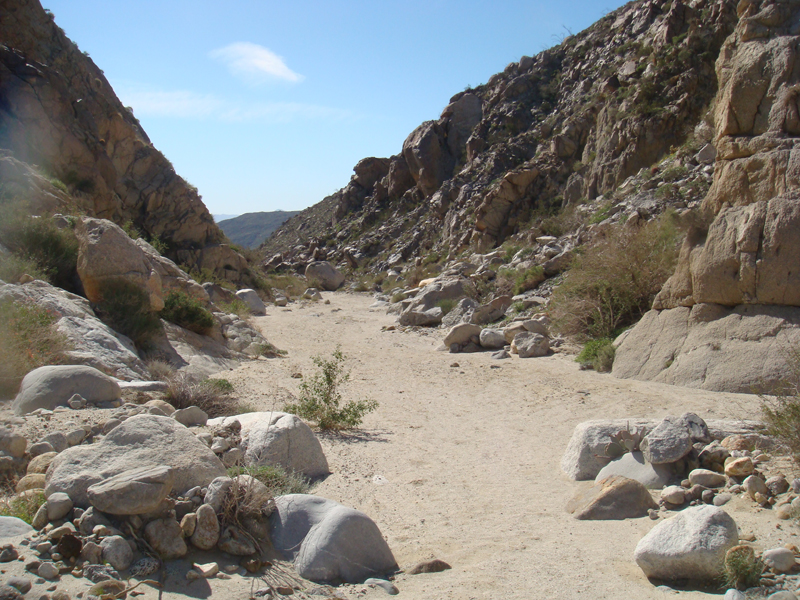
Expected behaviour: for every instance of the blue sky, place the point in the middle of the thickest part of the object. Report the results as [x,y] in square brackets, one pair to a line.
[268,105]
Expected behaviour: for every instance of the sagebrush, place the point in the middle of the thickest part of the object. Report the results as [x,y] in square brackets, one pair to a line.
[613,283]
[187,312]
[28,339]
[125,307]
[320,398]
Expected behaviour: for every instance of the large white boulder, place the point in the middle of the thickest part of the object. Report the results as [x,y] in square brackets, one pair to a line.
[691,545]
[253,301]
[329,542]
[281,439]
[140,441]
[51,386]
[633,466]
[323,275]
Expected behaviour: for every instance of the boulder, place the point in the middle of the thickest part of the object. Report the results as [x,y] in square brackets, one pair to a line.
[424,308]
[460,334]
[11,527]
[253,301]
[612,498]
[668,442]
[492,339]
[191,416]
[279,439]
[584,455]
[634,466]
[492,311]
[530,345]
[691,545]
[324,275]
[164,536]
[133,492]
[140,441]
[711,347]
[58,505]
[327,541]
[462,313]
[51,386]
[706,478]
[510,332]
[206,531]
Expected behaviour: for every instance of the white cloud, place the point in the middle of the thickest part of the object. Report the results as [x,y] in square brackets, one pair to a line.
[254,64]
[178,103]
[185,104]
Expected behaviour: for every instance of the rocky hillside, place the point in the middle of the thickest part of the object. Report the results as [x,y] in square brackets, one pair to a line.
[251,229]
[59,113]
[555,130]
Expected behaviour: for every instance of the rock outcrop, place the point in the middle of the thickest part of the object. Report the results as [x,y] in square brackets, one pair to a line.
[729,315]
[60,113]
[567,125]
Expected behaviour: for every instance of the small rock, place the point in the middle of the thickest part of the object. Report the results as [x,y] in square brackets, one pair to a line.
[164,535]
[33,481]
[434,565]
[57,440]
[47,570]
[706,478]
[739,467]
[777,485]
[8,553]
[191,416]
[755,485]
[117,552]
[92,553]
[188,524]
[673,494]
[58,505]
[708,496]
[780,560]
[76,402]
[21,583]
[784,512]
[206,533]
[98,573]
[40,448]
[733,594]
[721,499]
[75,437]
[69,547]
[40,463]
[207,570]
[386,586]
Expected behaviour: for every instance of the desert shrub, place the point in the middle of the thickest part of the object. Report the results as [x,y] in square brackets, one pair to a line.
[528,279]
[28,339]
[236,306]
[125,307]
[160,370]
[320,396]
[397,297]
[23,507]
[781,408]
[268,350]
[291,285]
[612,283]
[447,304]
[278,481]
[13,267]
[188,312]
[742,568]
[597,354]
[37,240]
[213,396]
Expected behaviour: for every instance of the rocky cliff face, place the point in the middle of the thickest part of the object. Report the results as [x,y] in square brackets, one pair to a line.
[732,305]
[58,112]
[566,126]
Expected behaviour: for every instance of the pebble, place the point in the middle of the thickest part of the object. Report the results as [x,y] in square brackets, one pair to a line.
[386,586]
[784,512]
[721,499]
[207,570]
[673,494]
[780,560]
[8,553]
[47,570]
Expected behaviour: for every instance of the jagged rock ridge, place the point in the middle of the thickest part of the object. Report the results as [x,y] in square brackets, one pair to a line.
[58,112]
[567,125]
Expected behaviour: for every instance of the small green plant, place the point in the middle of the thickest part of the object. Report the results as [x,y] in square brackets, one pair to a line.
[125,307]
[235,306]
[23,507]
[528,279]
[279,482]
[187,312]
[320,396]
[268,350]
[447,304]
[28,339]
[597,354]
[743,568]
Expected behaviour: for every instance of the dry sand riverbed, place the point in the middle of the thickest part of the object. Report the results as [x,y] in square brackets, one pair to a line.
[461,462]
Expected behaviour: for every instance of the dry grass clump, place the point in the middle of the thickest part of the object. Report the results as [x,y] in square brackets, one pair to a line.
[278,481]
[23,506]
[160,370]
[212,396]
[613,283]
[743,568]
[28,339]
[781,408]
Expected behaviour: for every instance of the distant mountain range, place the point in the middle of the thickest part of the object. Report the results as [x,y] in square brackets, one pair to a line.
[218,218]
[251,229]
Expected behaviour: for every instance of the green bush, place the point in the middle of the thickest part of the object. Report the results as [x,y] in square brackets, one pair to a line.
[187,312]
[279,482]
[614,282]
[125,307]
[597,354]
[320,397]
[447,305]
[37,240]
[528,279]
[13,267]
[23,507]
[28,339]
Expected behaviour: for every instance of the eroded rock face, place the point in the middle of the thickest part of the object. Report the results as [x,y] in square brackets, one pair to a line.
[734,297]
[59,111]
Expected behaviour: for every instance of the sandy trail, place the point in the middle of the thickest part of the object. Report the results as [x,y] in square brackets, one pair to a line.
[461,462]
